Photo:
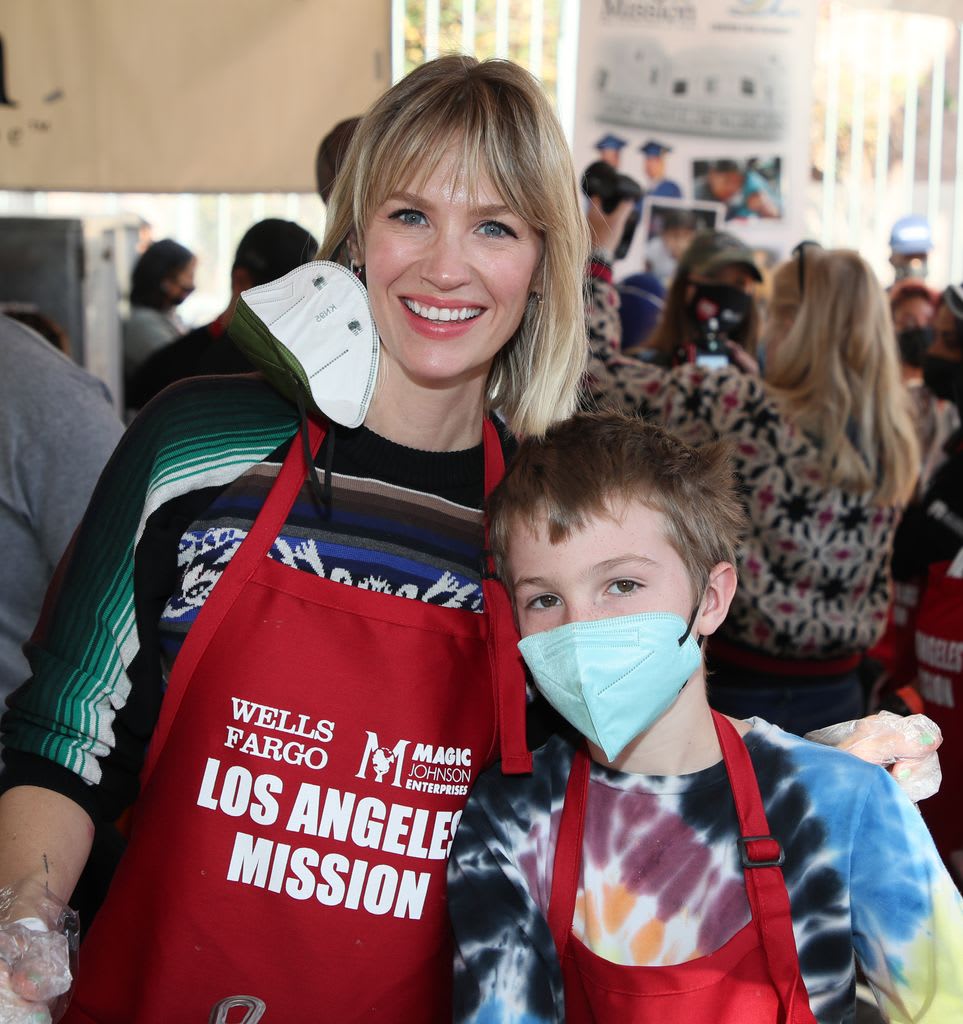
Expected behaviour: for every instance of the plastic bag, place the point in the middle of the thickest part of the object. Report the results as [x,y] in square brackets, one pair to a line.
[906,746]
[39,938]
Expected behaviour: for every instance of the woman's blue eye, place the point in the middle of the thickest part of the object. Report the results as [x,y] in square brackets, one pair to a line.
[495,229]
[409,216]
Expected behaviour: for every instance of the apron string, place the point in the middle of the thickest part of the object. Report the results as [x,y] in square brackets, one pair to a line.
[504,658]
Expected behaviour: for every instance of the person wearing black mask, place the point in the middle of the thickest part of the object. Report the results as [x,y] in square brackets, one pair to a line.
[928,569]
[709,304]
[913,306]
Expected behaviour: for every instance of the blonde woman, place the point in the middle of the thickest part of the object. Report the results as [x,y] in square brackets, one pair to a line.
[826,453]
[313,714]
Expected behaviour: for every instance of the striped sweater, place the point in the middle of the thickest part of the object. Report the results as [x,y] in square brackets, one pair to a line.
[172,506]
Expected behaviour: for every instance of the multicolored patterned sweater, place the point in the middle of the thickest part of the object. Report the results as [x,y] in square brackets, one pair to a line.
[173,505]
[662,883]
[814,567]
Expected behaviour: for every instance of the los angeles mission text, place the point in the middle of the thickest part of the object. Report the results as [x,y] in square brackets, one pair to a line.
[357,821]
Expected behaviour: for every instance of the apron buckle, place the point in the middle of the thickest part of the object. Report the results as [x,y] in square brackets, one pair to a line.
[750,861]
[255,1009]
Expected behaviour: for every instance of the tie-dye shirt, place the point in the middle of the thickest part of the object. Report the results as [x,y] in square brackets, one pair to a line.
[662,883]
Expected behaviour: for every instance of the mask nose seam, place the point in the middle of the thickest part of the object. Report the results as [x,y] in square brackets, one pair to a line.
[626,674]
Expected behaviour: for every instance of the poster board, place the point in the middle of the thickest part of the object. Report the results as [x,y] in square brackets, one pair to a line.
[718,92]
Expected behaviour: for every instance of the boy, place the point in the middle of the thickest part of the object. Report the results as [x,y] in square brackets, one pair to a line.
[617,544]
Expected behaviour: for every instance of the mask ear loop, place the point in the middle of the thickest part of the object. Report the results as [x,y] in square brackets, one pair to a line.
[689,625]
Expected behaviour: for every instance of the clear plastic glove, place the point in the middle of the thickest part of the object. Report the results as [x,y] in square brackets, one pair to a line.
[38,945]
[905,746]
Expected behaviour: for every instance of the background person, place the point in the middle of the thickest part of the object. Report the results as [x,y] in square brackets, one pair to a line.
[268,250]
[57,431]
[913,306]
[674,232]
[331,154]
[366,615]
[161,280]
[928,569]
[709,302]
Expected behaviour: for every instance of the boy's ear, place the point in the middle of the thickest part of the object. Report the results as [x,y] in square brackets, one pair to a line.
[717,598]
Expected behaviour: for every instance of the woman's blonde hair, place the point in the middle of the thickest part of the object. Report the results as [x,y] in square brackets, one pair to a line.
[837,374]
[504,126]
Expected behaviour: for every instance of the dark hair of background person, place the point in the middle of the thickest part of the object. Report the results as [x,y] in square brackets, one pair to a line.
[911,288]
[29,315]
[330,155]
[272,248]
[159,261]
[675,326]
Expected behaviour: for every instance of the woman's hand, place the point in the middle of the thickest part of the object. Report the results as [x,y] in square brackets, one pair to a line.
[741,358]
[905,746]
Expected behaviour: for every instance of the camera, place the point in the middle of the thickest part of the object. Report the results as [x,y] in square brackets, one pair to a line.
[610,187]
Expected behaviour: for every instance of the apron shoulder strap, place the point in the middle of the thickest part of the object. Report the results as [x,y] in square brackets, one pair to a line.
[507,671]
[568,851]
[762,856]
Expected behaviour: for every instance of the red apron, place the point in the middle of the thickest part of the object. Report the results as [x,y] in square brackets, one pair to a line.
[300,795]
[753,979]
[939,674]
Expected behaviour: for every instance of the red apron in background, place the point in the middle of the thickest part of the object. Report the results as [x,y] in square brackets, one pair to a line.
[753,979]
[314,751]
[939,675]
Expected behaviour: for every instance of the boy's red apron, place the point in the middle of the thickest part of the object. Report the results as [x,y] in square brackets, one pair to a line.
[315,748]
[939,674]
[753,979]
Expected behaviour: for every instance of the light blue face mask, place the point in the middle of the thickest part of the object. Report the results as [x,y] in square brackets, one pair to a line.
[612,678]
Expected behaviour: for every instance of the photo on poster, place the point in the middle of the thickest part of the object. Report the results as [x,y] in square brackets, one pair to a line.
[669,225]
[703,91]
[748,188]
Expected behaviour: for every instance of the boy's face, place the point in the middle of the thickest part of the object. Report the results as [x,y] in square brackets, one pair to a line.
[613,566]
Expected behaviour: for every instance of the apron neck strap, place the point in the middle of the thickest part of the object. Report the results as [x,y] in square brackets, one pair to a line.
[508,672]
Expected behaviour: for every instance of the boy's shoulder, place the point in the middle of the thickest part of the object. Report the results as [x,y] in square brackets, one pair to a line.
[767,740]
[833,780]
[525,795]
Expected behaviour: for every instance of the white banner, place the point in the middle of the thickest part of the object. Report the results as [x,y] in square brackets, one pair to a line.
[181,96]
[707,105]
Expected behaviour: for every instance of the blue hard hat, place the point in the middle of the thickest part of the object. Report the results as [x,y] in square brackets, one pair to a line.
[911,235]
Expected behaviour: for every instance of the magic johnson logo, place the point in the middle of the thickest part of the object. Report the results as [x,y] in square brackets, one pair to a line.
[421,767]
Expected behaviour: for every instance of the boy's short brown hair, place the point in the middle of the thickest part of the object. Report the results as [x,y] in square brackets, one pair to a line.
[590,464]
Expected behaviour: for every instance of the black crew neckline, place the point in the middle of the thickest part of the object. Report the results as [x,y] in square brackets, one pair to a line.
[458,474]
